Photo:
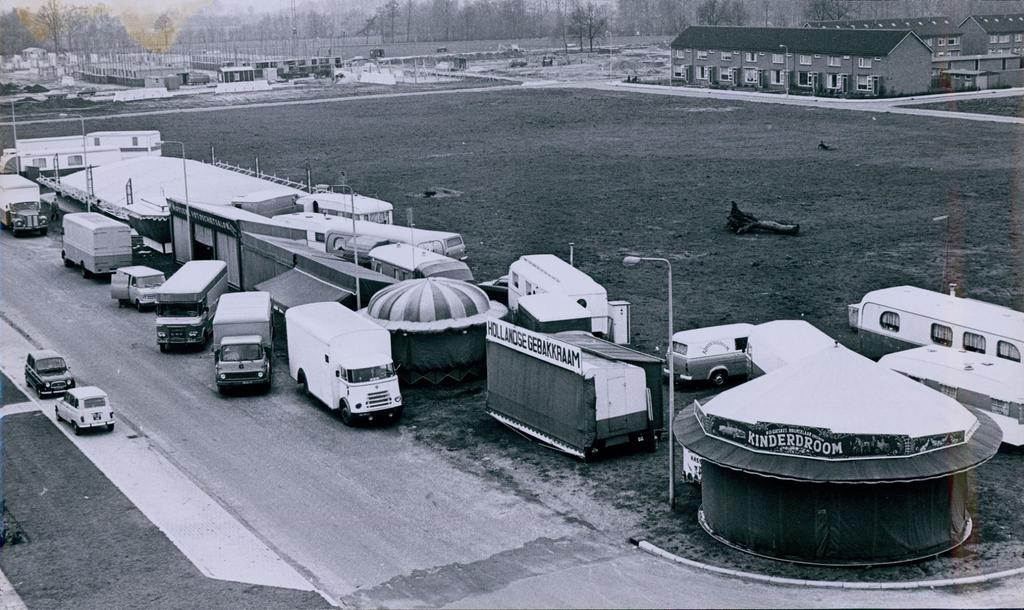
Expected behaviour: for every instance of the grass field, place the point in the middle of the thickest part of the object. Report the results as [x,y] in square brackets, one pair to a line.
[620,173]
[1005,106]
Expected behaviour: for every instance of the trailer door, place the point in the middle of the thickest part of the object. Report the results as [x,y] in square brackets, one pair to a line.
[612,399]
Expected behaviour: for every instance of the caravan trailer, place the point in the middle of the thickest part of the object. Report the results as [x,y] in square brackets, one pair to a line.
[899,318]
[993,385]
[319,227]
[344,205]
[403,262]
[546,273]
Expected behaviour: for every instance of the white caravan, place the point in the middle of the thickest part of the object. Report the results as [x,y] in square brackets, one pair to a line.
[894,319]
[344,360]
[319,227]
[546,273]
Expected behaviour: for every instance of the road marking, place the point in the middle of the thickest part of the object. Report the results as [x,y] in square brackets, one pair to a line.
[214,541]
[9,598]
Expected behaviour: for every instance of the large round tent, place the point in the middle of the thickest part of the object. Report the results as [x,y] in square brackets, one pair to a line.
[835,460]
[437,327]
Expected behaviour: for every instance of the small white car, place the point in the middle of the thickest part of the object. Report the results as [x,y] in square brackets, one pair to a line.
[85,407]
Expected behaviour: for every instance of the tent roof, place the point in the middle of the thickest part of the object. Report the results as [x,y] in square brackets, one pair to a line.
[846,393]
[778,343]
[967,313]
[552,306]
[432,305]
[295,287]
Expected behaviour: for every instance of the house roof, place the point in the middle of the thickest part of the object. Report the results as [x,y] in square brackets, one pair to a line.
[922,26]
[797,40]
[999,23]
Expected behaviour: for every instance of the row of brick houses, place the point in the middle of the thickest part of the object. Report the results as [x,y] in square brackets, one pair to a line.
[856,62]
[975,35]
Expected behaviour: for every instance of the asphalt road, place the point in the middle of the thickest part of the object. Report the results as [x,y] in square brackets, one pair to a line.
[370,517]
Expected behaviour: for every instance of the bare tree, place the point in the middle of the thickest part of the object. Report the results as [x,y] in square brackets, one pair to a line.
[52,20]
[722,12]
[829,10]
[165,25]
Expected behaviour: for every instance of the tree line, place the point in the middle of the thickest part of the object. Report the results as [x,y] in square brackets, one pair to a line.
[61,25]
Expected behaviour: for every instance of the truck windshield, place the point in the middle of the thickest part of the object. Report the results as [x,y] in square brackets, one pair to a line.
[177,310]
[238,353]
[149,282]
[51,365]
[24,206]
[372,373]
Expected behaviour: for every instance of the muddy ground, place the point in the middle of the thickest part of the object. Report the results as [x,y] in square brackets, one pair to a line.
[621,173]
[1004,106]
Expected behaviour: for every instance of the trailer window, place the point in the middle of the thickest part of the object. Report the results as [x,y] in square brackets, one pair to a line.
[943,335]
[974,342]
[1005,349]
[890,320]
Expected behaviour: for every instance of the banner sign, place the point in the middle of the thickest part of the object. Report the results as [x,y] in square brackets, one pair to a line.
[538,345]
[768,437]
[204,218]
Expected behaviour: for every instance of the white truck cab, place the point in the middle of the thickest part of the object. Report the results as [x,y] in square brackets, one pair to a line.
[136,286]
[85,407]
[344,360]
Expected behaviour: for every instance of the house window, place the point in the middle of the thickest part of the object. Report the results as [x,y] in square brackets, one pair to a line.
[863,62]
[750,75]
[864,82]
[703,72]
[1004,38]
[725,74]
[805,79]
[778,58]
[680,53]
[942,42]
[726,55]
[974,342]
[890,321]
[75,160]
[702,54]
[993,39]
[834,60]
[1018,37]
[777,77]
[942,335]
[1005,349]
[835,81]
[956,40]
[750,57]
[805,60]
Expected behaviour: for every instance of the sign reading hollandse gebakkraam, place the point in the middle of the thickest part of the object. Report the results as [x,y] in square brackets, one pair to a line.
[537,345]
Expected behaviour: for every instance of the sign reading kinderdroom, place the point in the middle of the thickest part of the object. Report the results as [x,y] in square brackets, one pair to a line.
[537,345]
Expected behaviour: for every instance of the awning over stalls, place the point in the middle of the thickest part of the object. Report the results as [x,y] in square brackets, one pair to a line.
[295,287]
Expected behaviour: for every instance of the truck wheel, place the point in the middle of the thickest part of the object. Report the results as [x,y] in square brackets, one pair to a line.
[138,305]
[222,390]
[110,427]
[718,378]
[67,261]
[163,347]
[302,382]
[56,414]
[650,445]
[43,233]
[346,415]
[85,272]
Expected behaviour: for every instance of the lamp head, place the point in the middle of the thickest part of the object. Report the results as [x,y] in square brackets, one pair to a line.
[631,261]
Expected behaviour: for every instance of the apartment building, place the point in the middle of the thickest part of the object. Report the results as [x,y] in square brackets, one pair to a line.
[1004,34]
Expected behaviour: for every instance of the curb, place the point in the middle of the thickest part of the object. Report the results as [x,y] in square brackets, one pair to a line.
[826,584]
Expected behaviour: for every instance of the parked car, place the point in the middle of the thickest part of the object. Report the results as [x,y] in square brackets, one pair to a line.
[85,407]
[46,372]
[517,63]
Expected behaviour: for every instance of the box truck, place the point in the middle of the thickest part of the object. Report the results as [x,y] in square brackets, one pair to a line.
[243,341]
[187,302]
[557,393]
[95,243]
[19,205]
[344,360]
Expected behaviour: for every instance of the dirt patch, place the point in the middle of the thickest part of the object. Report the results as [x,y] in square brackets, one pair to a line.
[435,192]
[1003,106]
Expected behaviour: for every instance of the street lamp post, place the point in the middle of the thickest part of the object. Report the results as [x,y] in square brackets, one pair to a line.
[355,241]
[945,244]
[632,261]
[85,159]
[188,208]
[785,63]
[14,128]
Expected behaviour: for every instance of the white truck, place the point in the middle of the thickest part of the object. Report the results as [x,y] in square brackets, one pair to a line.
[95,243]
[19,205]
[187,302]
[243,341]
[344,360]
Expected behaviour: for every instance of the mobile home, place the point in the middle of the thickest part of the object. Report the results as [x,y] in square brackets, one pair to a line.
[403,262]
[994,385]
[899,318]
[546,273]
[319,227]
[345,205]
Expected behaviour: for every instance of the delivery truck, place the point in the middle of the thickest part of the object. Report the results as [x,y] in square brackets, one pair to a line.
[97,244]
[187,302]
[19,205]
[344,360]
[243,341]
[561,395]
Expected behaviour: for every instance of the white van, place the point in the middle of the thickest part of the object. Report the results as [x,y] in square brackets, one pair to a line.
[403,262]
[713,353]
[135,285]
[546,273]
[899,318]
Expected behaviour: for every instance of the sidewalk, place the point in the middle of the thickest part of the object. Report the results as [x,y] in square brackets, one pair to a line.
[212,539]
